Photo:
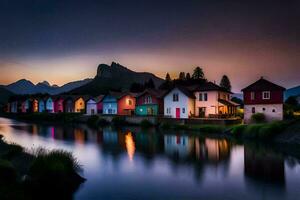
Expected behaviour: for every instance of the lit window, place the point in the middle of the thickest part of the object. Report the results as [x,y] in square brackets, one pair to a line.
[129,102]
[175,97]
[252,95]
[266,95]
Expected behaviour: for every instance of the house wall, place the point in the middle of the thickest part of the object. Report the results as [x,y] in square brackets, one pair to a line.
[100,107]
[50,105]
[143,109]
[59,106]
[23,107]
[14,107]
[79,105]
[124,108]
[35,105]
[276,97]
[41,106]
[270,115]
[183,102]
[140,101]
[211,105]
[91,105]
[110,104]
[69,106]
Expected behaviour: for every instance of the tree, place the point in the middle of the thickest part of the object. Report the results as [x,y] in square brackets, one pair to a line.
[168,78]
[225,83]
[292,101]
[181,76]
[136,87]
[149,84]
[198,73]
[187,76]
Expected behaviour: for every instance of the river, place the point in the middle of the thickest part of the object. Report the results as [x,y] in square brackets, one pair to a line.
[130,163]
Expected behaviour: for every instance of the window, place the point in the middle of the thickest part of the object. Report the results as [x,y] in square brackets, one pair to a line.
[200,96]
[183,110]
[175,97]
[266,95]
[205,96]
[129,102]
[148,99]
[273,110]
[253,109]
[264,109]
[168,110]
[252,95]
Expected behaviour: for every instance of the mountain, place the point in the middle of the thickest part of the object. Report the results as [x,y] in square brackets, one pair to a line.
[24,86]
[115,77]
[238,95]
[295,91]
[4,95]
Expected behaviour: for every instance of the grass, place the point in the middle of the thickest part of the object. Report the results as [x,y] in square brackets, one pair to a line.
[261,131]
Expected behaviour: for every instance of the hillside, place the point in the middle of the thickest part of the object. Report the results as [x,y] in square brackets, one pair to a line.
[114,77]
[4,95]
[295,91]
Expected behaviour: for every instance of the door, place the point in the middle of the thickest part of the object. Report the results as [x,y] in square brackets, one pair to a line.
[202,112]
[177,112]
[92,111]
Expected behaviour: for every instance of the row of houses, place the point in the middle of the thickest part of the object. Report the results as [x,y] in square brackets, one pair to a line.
[206,100]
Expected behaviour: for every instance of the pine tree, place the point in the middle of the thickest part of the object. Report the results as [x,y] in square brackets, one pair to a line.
[181,76]
[168,78]
[225,83]
[187,76]
[198,73]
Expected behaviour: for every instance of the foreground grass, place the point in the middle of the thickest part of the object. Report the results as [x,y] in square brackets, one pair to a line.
[29,176]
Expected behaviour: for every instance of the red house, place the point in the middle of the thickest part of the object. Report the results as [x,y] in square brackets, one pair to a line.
[58,104]
[264,97]
[126,103]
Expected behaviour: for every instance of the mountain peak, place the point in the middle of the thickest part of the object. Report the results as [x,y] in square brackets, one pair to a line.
[44,83]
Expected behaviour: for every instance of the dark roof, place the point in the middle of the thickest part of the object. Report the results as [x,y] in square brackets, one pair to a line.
[262,85]
[184,90]
[154,92]
[227,102]
[208,86]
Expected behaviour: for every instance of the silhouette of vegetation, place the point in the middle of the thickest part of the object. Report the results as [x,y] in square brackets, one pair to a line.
[198,73]
[225,83]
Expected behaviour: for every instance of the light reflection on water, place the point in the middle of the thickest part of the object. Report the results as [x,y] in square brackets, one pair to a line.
[136,164]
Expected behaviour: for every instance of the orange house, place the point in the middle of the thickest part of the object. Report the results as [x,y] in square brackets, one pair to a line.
[126,104]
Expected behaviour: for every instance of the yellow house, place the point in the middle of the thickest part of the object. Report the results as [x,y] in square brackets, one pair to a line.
[79,105]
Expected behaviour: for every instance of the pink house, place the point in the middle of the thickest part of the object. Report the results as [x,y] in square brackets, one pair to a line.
[58,105]
[99,104]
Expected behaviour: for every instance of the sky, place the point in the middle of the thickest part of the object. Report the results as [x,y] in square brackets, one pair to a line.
[65,40]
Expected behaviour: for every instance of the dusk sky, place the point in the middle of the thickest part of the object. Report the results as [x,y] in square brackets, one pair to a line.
[65,40]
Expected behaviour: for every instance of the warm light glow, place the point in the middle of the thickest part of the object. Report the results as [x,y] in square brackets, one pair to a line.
[79,136]
[130,145]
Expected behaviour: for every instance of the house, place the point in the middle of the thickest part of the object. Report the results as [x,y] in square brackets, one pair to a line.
[27,105]
[264,97]
[35,105]
[98,100]
[126,103]
[58,104]
[79,103]
[42,106]
[179,102]
[14,106]
[213,101]
[68,104]
[49,104]
[150,102]
[91,107]
[110,103]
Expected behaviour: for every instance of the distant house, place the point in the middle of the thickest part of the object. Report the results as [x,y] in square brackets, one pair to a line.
[99,102]
[264,97]
[179,102]
[14,106]
[110,103]
[91,107]
[35,105]
[150,102]
[68,104]
[58,104]
[126,103]
[213,101]
[80,104]
[42,106]
[27,105]
[49,104]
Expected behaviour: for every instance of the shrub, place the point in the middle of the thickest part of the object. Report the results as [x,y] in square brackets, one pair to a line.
[146,123]
[13,150]
[8,173]
[118,121]
[238,130]
[258,118]
[165,125]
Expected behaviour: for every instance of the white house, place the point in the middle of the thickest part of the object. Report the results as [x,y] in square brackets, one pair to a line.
[213,100]
[91,107]
[179,102]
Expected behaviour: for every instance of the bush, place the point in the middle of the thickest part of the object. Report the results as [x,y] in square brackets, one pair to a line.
[118,121]
[165,125]
[258,118]
[146,123]
[8,173]
[238,130]
[13,150]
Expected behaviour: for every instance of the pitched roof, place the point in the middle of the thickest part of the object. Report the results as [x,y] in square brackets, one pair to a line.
[208,86]
[184,90]
[262,85]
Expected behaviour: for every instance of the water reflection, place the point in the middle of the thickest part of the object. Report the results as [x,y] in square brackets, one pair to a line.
[131,161]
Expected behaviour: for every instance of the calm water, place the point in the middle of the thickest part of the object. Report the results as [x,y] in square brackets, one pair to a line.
[134,164]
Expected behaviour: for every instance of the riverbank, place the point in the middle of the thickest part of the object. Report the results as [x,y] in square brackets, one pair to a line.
[26,175]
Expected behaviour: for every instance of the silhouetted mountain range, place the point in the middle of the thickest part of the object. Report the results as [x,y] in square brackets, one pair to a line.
[24,86]
[115,77]
[295,91]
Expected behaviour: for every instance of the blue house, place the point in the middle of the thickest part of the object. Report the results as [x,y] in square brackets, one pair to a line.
[110,103]
[49,105]
[41,105]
